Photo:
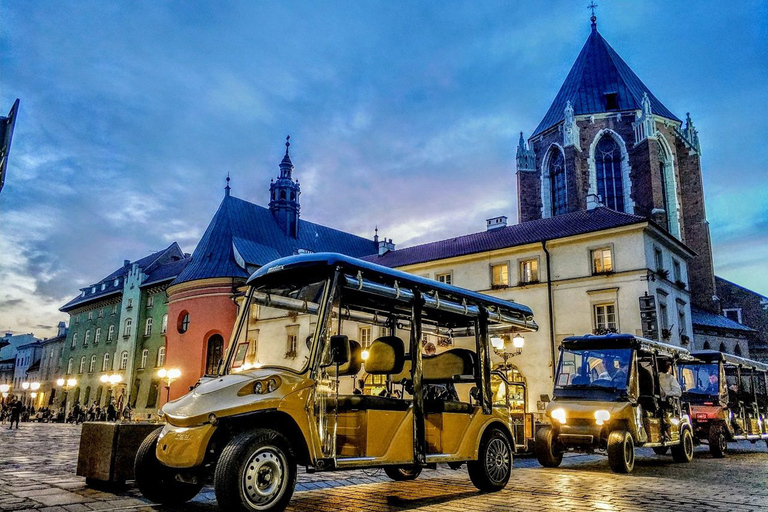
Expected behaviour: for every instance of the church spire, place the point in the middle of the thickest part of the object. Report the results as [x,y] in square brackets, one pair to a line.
[592,6]
[525,157]
[284,195]
[227,188]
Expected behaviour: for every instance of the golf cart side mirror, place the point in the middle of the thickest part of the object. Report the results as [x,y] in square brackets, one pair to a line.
[544,398]
[340,350]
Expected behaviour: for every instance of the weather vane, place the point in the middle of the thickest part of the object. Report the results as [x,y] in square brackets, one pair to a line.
[592,6]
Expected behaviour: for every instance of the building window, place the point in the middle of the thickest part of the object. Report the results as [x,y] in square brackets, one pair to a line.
[529,271]
[128,325]
[82,365]
[87,338]
[101,313]
[557,185]
[160,357]
[111,333]
[611,101]
[77,319]
[69,366]
[90,315]
[144,356]
[723,348]
[97,336]
[150,301]
[214,355]
[164,325]
[664,320]
[733,314]
[124,360]
[74,341]
[148,327]
[605,318]
[446,278]
[92,366]
[183,322]
[658,259]
[114,308]
[292,341]
[364,335]
[737,349]
[681,320]
[677,271]
[129,305]
[610,187]
[602,261]
[105,363]
[500,275]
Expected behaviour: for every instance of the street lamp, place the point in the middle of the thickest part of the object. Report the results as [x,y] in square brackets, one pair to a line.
[499,347]
[66,385]
[4,389]
[168,375]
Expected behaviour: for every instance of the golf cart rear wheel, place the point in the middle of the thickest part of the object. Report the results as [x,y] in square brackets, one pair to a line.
[683,452]
[493,467]
[717,441]
[546,452]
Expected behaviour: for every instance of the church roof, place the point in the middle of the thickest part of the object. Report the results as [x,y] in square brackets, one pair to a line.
[243,235]
[598,71]
[535,231]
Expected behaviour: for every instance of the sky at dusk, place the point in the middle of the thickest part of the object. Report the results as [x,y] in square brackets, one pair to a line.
[404,115]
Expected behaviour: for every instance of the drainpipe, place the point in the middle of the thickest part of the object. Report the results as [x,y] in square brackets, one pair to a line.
[550,304]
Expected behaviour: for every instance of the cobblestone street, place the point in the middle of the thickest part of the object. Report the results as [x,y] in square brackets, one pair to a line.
[37,471]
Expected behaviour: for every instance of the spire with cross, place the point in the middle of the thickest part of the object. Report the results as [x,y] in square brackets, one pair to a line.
[227,188]
[592,6]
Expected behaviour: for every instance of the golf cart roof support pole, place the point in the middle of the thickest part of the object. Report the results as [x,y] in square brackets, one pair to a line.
[419,432]
[484,358]
[326,303]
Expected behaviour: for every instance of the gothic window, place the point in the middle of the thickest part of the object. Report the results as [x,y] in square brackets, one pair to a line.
[215,354]
[92,366]
[664,189]
[160,357]
[148,327]
[558,193]
[609,184]
[282,194]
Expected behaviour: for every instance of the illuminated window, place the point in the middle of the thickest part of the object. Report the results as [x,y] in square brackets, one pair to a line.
[602,261]
[605,317]
[160,356]
[529,271]
[609,182]
[364,335]
[500,275]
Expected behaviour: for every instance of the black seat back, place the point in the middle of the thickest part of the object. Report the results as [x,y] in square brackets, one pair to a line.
[457,362]
[353,365]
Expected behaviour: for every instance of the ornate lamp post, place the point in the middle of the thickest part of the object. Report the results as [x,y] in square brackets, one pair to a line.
[4,389]
[66,385]
[499,347]
[168,375]
[112,380]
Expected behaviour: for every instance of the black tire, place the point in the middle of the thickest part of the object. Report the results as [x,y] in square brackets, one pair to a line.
[546,452]
[402,473]
[262,457]
[660,450]
[493,467]
[718,444]
[621,451]
[683,452]
[157,482]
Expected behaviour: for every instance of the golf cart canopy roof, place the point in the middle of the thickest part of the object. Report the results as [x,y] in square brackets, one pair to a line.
[603,341]
[713,356]
[381,288]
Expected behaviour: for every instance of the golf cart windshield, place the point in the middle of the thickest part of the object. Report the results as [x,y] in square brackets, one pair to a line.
[700,379]
[593,373]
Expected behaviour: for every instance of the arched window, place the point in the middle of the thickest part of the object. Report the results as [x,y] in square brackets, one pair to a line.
[707,346]
[69,365]
[160,357]
[557,186]
[668,191]
[293,196]
[87,338]
[164,326]
[722,347]
[105,363]
[737,350]
[87,396]
[148,327]
[74,341]
[97,336]
[82,365]
[124,360]
[144,355]
[92,366]
[183,324]
[97,400]
[128,324]
[282,194]
[610,187]
[111,333]
[215,353]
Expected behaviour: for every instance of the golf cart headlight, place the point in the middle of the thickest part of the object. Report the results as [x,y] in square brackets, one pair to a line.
[602,416]
[271,385]
[559,415]
[212,419]
[258,387]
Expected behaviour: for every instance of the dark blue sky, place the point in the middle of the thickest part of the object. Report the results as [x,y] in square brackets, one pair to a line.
[402,114]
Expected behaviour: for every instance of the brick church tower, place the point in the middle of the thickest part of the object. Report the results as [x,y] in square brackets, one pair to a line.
[606,140]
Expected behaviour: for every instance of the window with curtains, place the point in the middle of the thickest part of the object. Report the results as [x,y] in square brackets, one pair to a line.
[558,189]
[609,182]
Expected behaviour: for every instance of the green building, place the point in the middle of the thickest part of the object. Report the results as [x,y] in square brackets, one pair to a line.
[117,329]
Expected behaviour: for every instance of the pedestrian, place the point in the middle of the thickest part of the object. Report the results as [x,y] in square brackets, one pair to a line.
[127,413]
[111,411]
[15,413]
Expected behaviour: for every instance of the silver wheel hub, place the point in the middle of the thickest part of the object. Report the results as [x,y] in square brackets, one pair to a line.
[498,460]
[264,477]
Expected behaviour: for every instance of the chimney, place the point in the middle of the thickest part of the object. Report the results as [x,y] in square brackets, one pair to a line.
[62,329]
[385,246]
[496,223]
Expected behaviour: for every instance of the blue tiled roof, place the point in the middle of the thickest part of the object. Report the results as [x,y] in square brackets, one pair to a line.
[599,70]
[570,224]
[702,318]
[155,265]
[253,232]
